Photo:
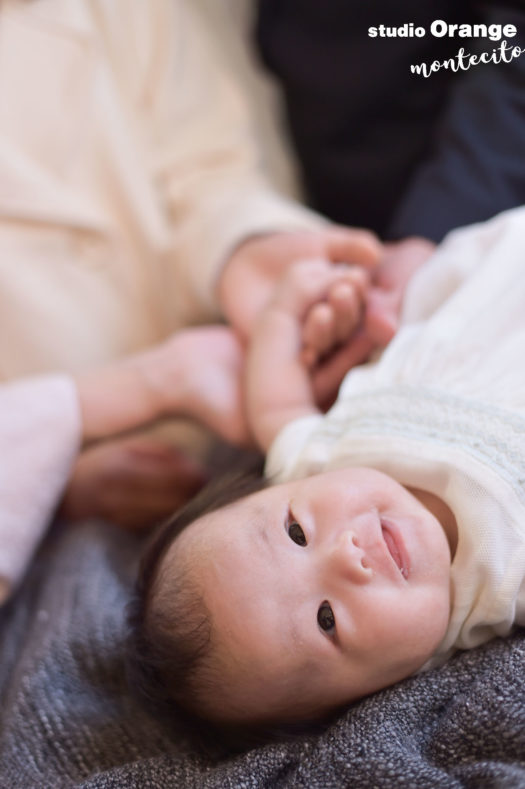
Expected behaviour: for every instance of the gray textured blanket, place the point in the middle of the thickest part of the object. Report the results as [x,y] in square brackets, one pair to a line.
[68,721]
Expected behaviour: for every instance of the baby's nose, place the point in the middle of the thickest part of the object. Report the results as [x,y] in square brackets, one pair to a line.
[347,559]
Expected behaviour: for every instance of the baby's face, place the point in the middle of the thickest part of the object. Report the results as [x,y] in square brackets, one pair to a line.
[320,591]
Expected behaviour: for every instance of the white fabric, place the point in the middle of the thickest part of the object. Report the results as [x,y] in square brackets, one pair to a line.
[128,174]
[40,434]
[443,410]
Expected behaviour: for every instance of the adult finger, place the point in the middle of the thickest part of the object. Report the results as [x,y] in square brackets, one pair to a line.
[382,316]
[348,245]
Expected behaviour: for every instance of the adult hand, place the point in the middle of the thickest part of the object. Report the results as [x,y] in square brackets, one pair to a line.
[249,276]
[134,482]
[198,373]
[400,261]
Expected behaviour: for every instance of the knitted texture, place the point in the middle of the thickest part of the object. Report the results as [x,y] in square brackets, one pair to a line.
[492,435]
[69,721]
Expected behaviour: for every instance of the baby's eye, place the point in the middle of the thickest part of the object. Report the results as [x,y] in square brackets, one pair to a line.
[326,618]
[295,531]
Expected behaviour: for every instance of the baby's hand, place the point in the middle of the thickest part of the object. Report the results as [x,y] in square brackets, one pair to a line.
[332,322]
[280,386]
[328,301]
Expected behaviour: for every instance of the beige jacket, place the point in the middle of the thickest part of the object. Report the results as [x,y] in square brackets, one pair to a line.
[127,176]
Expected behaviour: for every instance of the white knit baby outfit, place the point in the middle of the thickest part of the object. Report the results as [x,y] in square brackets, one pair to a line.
[443,410]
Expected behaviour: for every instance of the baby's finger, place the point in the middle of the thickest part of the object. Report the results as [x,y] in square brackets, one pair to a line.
[347,298]
[347,307]
[318,333]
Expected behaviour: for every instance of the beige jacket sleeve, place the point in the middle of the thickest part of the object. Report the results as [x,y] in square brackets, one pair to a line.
[40,434]
[128,173]
[206,162]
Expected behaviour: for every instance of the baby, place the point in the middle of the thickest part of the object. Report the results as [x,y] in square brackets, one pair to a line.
[395,531]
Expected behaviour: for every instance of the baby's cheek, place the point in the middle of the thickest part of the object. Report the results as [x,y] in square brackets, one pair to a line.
[434,614]
[416,621]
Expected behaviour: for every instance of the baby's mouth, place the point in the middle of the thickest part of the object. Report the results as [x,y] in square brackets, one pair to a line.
[395,549]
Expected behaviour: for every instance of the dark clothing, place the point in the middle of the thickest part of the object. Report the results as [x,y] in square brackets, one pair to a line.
[384,148]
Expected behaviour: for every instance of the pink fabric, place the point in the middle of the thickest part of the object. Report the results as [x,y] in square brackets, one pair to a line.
[40,433]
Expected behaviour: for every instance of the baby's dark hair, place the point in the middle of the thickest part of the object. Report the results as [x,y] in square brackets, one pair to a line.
[169,640]
[168,658]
